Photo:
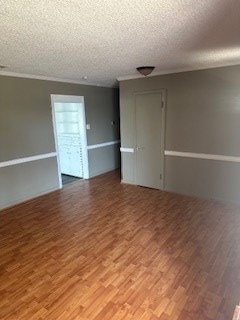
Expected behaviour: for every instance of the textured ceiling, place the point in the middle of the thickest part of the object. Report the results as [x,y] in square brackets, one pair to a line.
[108,39]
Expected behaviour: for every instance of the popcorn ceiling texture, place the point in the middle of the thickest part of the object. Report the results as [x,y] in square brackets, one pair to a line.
[107,39]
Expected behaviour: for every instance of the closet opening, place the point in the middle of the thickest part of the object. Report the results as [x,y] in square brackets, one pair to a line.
[69,123]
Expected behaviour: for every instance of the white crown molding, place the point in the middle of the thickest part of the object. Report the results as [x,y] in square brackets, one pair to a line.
[121,78]
[204,156]
[161,73]
[36,77]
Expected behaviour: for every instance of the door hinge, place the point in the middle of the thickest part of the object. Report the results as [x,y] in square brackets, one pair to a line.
[160,176]
[162,105]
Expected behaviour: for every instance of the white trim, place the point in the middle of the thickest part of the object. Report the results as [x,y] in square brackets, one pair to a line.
[36,77]
[67,98]
[202,156]
[86,174]
[100,145]
[180,70]
[27,159]
[130,150]
[55,141]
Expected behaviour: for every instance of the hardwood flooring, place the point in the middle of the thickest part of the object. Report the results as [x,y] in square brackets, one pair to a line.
[99,249]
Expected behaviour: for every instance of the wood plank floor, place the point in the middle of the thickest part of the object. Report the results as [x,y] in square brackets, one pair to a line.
[99,249]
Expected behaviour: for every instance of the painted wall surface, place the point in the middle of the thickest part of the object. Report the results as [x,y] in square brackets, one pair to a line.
[102,162]
[202,116]
[26,130]
[23,181]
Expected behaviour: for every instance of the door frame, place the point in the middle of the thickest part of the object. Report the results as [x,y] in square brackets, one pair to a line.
[163,93]
[70,99]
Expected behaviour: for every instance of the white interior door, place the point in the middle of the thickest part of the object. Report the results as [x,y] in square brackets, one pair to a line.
[149,140]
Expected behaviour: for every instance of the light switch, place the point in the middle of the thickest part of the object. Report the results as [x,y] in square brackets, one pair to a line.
[88,127]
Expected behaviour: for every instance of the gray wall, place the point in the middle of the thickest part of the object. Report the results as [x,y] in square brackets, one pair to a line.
[203,116]
[26,130]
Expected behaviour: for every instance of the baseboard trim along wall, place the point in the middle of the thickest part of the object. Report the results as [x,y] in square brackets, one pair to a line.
[101,145]
[25,199]
[202,156]
[98,173]
[27,159]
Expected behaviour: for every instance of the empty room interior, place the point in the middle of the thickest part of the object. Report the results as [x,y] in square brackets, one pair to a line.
[120,160]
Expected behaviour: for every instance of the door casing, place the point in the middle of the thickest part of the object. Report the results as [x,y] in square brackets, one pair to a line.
[70,99]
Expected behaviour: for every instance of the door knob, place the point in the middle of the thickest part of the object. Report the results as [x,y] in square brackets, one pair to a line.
[140,148]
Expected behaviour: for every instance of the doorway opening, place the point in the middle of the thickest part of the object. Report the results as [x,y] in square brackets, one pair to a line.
[69,123]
